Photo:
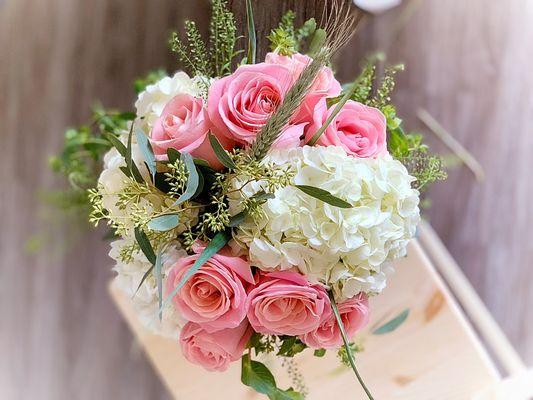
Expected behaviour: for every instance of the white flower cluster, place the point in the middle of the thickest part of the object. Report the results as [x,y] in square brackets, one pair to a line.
[347,248]
[145,300]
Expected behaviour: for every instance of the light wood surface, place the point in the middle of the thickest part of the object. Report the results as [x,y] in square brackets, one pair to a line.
[468,63]
[418,361]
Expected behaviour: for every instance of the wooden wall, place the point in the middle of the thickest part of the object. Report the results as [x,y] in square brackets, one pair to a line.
[468,63]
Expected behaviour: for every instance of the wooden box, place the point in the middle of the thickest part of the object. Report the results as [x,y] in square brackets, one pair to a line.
[434,355]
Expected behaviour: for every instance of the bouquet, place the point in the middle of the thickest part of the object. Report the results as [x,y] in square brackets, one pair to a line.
[255,206]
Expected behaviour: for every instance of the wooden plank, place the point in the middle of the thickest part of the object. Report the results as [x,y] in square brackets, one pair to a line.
[434,355]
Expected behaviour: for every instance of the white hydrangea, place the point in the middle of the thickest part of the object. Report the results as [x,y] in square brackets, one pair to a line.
[345,247]
[154,98]
[145,301]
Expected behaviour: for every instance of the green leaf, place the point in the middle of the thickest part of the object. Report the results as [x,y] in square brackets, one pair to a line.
[145,245]
[148,152]
[217,243]
[324,196]
[393,324]
[237,219]
[289,394]
[256,375]
[221,153]
[320,352]
[173,155]
[159,279]
[164,223]
[291,346]
[116,143]
[145,276]
[252,40]
[132,172]
[192,182]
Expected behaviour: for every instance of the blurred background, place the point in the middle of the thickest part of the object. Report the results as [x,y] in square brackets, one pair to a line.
[468,64]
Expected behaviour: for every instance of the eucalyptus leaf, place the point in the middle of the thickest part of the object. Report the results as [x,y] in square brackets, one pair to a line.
[117,144]
[237,219]
[393,324]
[164,223]
[159,279]
[217,243]
[145,245]
[221,153]
[192,181]
[145,276]
[324,196]
[148,152]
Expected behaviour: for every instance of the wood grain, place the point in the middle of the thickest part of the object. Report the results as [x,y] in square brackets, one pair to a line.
[60,335]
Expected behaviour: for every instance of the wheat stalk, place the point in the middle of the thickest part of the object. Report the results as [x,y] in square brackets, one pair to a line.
[339,26]
[293,99]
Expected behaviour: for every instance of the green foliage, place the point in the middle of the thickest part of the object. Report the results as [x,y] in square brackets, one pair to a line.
[407,148]
[386,86]
[319,352]
[343,353]
[81,156]
[290,346]
[223,37]
[152,77]
[324,195]
[256,375]
[286,40]
[211,59]
[410,150]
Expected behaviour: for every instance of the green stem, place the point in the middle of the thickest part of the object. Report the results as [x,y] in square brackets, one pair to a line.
[347,345]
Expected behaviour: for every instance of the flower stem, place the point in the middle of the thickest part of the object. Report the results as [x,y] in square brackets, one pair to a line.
[347,346]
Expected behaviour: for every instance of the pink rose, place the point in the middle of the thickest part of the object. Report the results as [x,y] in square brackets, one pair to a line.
[214,351]
[184,126]
[215,296]
[359,129]
[285,303]
[354,314]
[239,105]
[325,84]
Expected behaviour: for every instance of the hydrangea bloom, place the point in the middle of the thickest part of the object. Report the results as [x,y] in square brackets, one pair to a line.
[145,300]
[152,101]
[346,247]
